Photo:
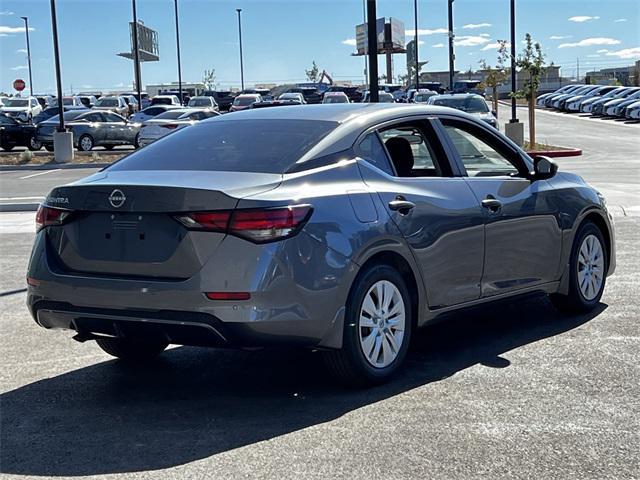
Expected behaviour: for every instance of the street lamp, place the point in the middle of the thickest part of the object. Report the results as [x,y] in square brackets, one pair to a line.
[178,50]
[452,55]
[26,29]
[240,37]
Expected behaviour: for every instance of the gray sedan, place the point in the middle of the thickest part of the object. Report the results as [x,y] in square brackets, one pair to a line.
[90,129]
[341,228]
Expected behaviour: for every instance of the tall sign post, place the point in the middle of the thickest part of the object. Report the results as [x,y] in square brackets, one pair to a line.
[452,55]
[26,30]
[372,45]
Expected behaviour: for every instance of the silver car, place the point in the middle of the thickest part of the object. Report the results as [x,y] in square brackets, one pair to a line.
[341,228]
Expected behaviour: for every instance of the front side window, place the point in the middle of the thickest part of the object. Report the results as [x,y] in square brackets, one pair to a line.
[112,117]
[479,157]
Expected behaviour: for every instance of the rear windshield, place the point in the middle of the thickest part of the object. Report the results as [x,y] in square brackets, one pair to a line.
[200,102]
[244,101]
[107,102]
[170,115]
[264,146]
[466,104]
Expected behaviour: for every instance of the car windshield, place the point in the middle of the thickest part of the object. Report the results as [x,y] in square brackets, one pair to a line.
[466,104]
[170,115]
[200,102]
[16,102]
[4,120]
[264,146]
[244,101]
[107,102]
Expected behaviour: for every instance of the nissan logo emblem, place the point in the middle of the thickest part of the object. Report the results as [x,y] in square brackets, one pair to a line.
[117,198]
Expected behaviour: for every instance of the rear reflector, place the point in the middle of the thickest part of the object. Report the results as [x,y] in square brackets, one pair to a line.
[49,216]
[228,295]
[257,225]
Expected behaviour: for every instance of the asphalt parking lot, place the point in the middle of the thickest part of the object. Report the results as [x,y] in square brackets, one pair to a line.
[515,390]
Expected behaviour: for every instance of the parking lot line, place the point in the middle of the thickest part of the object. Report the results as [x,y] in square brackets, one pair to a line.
[40,173]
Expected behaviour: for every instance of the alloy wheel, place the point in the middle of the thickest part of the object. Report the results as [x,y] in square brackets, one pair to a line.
[590,267]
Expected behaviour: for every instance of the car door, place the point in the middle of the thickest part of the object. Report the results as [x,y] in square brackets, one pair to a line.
[431,205]
[118,132]
[523,237]
[96,127]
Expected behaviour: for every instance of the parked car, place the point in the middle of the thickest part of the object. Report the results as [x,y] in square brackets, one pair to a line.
[383,97]
[574,104]
[633,111]
[113,104]
[22,109]
[616,107]
[560,101]
[88,100]
[540,101]
[587,105]
[423,96]
[354,93]
[44,100]
[72,101]
[2,100]
[296,96]
[203,102]
[146,101]
[132,104]
[549,102]
[151,112]
[626,94]
[16,134]
[172,121]
[311,95]
[49,112]
[90,129]
[224,99]
[244,101]
[468,86]
[298,226]
[166,100]
[469,103]
[335,97]
[274,103]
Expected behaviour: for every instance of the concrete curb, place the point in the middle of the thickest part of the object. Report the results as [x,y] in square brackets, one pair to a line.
[567,152]
[18,207]
[52,166]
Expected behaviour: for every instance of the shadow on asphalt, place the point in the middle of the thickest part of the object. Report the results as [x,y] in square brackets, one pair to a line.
[193,403]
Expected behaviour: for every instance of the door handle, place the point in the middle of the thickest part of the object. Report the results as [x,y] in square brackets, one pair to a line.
[492,204]
[401,205]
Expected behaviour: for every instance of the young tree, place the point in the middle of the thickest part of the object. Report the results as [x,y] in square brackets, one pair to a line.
[209,78]
[531,62]
[498,75]
[313,74]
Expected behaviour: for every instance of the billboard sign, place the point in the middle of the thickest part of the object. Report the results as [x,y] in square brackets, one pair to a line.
[397,33]
[362,39]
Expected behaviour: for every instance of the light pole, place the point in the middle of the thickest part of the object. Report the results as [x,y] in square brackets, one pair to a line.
[56,54]
[372,49]
[26,29]
[514,118]
[452,55]
[364,20]
[415,40]
[136,54]
[178,50]
[240,37]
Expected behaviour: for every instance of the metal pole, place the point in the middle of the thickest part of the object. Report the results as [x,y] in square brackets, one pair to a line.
[415,40]
[136,54]
[178,50]
[452,55]
[514,118]
[56,54]
[26,29]
[364,20]
[372,47]
[240,37]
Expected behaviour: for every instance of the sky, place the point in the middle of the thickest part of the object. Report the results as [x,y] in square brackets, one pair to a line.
[282,38]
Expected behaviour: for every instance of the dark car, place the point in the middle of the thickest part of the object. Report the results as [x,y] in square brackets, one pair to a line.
[16,134]
[274,103]
[310,94]
[340,228]
[470,103]
[90,129]
[354,94]
[49,112]
[468,86]
[224,99]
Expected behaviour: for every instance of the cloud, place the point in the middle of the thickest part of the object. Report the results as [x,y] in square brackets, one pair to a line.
[420,42]
[494,46]
[21,50]
[591,42]
[411,33]
[620,20]
[602,50]
[559,37]
[86,87]
[6,12]
[582,18]
[485,35]
[20,67]
[626,53]
[470,40]
[349,41]
[477,25]
[4,29]
[593,55]
[438,45]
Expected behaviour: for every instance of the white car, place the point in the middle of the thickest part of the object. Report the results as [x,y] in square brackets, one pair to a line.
[151,112]
[633,111]
[171,121]
[335,97]
[423,96]
[203,102]
[2,100]
[166,100]
[296,96]
[244,101]
[22,109]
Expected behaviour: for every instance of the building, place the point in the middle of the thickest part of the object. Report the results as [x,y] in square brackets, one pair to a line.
[625,76]
[190,89]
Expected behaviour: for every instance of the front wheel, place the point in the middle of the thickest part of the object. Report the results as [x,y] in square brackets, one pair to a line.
[34,144]
[587,272]
[377,329]
[85,143]
[132,350]
[6,148]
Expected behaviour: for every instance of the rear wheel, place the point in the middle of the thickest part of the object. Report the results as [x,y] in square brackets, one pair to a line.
[132,350]
[48,148]
[34,144]
[587,272]
[377,329]
[6,148]
[85,143]
[136,141]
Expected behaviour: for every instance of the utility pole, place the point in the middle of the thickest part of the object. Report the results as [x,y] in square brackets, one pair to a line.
[514,87]
[452,55]
[178,51]
[372,47]
[26,29]
[136,54]
[415,40]
[56,54]
[240,37]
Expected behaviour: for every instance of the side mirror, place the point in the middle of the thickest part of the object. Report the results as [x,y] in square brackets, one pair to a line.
[544,168]
[494,113]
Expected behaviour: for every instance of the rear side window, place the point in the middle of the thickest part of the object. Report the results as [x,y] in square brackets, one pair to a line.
[264,146]
[373,152]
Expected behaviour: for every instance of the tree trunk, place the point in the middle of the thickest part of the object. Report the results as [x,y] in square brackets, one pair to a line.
[495,99]
[532,121]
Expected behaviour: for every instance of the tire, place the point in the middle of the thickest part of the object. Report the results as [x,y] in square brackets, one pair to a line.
[351,365]
[586,298]
[48,148]
[34,144]
[130,350]
[85,143]
[136,141]
[109,147]
[6,148]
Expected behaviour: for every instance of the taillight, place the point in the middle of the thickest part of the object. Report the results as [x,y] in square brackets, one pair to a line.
[256,225]
[50,216]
